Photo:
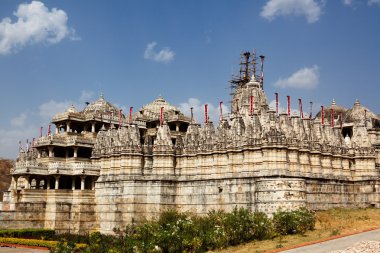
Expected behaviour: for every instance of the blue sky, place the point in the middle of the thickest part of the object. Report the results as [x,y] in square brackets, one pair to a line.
[57,53]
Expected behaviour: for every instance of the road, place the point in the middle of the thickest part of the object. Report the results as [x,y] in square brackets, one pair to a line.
[338,244]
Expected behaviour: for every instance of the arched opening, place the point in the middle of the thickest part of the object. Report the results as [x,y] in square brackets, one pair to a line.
[347,131]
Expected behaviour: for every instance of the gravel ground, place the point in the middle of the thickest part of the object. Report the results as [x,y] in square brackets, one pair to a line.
[362,247]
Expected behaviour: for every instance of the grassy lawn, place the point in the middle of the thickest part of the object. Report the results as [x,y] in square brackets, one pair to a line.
[329,223]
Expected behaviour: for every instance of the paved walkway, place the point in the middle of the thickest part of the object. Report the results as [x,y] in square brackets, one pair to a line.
[21,250]
[337,244]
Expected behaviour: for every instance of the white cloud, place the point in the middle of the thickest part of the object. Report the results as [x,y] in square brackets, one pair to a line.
[305,78]
[198,110]
[373,2]
[86,96]
[42,115]
[9,140]
[49,109]
[311,9]
[35,24]
[164,55]
[19,121]
[347,2]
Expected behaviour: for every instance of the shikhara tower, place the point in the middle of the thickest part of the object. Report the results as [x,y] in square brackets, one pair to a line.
[101,170]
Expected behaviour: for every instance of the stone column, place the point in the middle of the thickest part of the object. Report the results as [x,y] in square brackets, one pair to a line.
[93,127]
[76,152]
[177,127]
[47,183]
[56,129]
[27,182]
[73,183]
[56,182]
[14,182]
[51,151]
[67,152]
[68,123]
[82,181]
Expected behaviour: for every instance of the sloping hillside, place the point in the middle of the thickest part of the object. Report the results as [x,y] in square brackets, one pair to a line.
[5,178]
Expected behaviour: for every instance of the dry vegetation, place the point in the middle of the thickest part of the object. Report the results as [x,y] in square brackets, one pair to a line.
[330,223]
[5,178]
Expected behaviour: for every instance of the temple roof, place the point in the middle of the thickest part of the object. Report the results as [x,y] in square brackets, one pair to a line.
[101,106]
[338,110]
[358,113]
[152,110]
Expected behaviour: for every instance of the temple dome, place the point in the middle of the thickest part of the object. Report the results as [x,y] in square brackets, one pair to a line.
[338,110]
[152,110]
[101,106]
[71,109]
[358,113]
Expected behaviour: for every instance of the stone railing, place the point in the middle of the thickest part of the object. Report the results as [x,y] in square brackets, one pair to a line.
[66,140]
[29,167]
[67,115]
[73,168]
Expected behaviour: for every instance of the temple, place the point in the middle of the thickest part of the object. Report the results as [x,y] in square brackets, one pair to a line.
[100,169]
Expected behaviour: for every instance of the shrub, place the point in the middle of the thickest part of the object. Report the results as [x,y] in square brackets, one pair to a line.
[293,222]
[29,242]
[47,234]
[262,226]
[177,232]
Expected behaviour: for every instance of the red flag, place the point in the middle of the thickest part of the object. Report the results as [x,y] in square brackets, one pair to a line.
[301,111]
[288,97]
[323,114]
[130,114]
[221,110]
[206,114]
[276,102]
[161,116]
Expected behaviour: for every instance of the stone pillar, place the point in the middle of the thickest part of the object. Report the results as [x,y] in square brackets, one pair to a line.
[177,127]
[93,127]
[14,182]
[56,182]
[39,153]
[82,181]
[47,183]
[68,123]
[76,152]
[27,182]
[92,183]
[67,152]
[56,129]
[51,151]
[73,183]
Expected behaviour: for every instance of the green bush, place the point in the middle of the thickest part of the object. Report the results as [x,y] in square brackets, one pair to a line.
[293,222]
[30,233]
[182,232]
[262,226]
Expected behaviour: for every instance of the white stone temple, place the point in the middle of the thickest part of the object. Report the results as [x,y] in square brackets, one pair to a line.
[102,169]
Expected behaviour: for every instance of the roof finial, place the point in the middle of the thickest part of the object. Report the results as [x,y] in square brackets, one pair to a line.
[101,95]
[333,102]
